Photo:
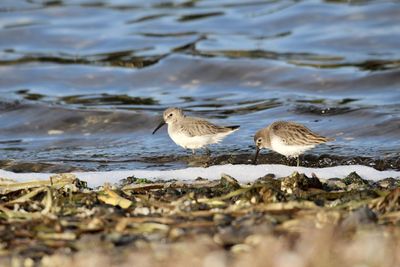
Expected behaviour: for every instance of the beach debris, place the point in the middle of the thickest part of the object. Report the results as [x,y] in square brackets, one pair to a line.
[110,197]
[297,182]
[42,221]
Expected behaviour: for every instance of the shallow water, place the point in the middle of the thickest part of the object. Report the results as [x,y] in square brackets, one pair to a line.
[83,83]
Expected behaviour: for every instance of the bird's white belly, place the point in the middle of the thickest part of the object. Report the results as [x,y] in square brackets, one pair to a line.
[194,142]
[288,150]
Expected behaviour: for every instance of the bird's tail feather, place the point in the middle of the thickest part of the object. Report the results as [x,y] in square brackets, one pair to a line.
[234,127]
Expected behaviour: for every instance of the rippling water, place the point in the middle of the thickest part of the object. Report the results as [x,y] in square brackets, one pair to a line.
[83,83]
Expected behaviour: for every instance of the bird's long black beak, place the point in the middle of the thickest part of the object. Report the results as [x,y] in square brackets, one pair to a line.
[158,127]
[256,156]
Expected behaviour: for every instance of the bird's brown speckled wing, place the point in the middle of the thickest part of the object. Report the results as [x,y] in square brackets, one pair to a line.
[296,134]
[195,127]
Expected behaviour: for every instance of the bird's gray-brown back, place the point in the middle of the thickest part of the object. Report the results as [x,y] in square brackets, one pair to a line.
[296,134]
[192,126]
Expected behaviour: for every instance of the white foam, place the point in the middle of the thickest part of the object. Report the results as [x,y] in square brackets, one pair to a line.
[244,173]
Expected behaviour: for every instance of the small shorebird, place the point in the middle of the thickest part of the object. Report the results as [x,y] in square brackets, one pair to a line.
[287,138]
[193,133]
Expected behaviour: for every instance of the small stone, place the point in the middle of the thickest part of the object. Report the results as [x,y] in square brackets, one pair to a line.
[228,181]
[269,180]
[271,195]
[266,178]
[335,184]
[299,182]
[354,178]
[389,183]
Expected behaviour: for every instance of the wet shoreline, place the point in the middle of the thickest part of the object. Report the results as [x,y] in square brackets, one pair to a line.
[169,162]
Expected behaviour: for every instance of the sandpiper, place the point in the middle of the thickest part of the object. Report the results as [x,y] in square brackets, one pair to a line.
[287,138]
[193,133]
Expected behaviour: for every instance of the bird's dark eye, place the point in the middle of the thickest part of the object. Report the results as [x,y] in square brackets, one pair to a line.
[259,140]
[170,115]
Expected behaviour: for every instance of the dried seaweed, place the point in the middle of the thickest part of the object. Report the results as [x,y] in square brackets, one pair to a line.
[39,220]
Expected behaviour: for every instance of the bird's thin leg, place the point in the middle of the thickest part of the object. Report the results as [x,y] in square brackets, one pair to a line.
[193,152]
[298,161]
